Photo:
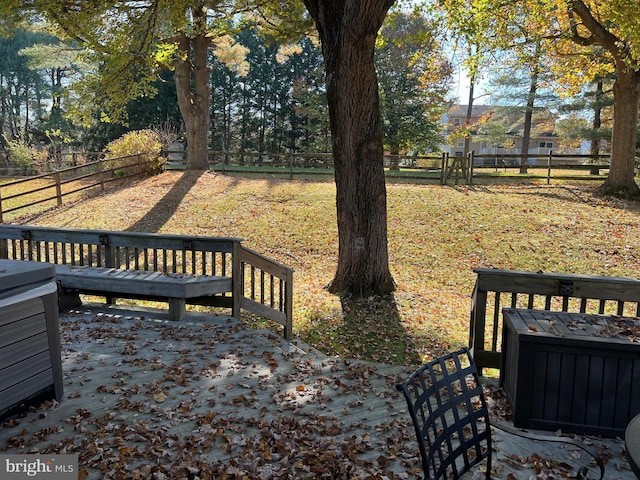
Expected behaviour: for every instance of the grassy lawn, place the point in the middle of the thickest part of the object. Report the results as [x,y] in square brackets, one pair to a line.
[437,236]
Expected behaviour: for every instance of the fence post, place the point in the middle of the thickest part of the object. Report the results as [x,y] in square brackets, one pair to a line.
[1,220]
[101,173]
[470,167]
[58,188]
[443,169]
[288,305]
[549,168]
[291,160]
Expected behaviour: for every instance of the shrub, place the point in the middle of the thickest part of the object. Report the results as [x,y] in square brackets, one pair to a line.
[29,159]
[139,142]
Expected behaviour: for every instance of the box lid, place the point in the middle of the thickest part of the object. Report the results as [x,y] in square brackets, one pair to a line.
[16,275]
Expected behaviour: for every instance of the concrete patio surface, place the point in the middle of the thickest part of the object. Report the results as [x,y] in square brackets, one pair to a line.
[210,398]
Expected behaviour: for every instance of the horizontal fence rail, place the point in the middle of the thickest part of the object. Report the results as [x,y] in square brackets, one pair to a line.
[52,189]
[495,289]
[261,286]
[440,166]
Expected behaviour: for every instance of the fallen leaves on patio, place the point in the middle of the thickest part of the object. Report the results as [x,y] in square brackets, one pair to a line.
[212,400]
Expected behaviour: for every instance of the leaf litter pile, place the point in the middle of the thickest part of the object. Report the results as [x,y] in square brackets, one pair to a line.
[209,398]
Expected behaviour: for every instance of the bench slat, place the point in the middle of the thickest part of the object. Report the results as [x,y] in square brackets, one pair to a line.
[140,282]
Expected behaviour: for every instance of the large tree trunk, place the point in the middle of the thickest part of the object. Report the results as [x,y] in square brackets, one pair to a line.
[348,30]
[194,93]
[626,94]
[528,119]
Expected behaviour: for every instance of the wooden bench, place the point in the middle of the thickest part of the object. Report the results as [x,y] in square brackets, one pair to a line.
[178,269]
[174,288]
[496,288]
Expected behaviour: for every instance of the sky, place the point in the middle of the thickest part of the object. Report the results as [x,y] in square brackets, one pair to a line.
[460,90]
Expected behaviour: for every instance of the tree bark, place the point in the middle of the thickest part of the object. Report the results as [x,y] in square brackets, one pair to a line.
[528,117]
[597,118]
[626,93]
[194,92]
[467,139]
[348,30]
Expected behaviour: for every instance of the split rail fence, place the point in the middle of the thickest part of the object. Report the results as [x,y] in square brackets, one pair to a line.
[440,167]
[67,184]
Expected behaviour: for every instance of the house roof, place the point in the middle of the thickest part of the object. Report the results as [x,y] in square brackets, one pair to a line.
[476,110]
[543,122]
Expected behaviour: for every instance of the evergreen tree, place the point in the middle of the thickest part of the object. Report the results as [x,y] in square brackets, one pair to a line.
[23,91]
[414,78]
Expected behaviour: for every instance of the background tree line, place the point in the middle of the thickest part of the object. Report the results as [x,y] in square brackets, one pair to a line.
[266,96]
[269,96]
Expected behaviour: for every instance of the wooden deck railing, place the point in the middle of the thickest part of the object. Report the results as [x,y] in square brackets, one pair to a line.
[495,289]
[260,285]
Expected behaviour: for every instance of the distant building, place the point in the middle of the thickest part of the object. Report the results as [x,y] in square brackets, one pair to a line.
[543,137]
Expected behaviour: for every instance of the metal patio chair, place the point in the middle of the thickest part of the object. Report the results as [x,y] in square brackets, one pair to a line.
[451,419]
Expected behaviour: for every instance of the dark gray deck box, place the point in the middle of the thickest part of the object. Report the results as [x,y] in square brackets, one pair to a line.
[574,372]
[30,363]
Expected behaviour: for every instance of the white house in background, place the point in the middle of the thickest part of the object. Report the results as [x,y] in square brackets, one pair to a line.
[542,140]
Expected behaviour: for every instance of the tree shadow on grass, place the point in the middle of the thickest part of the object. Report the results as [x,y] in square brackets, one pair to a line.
[164,209]
[373,330]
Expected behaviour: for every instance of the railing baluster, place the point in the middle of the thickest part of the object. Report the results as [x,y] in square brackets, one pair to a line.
[281,298]
[224,264]
[253,282]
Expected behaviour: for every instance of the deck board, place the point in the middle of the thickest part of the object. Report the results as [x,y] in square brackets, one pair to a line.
[213,396]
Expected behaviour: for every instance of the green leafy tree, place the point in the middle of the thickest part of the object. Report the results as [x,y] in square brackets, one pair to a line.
[59,64]
[414,78]
[472,27]
[594,102]
[524,85]
[591,39]
[130,42]
[310,122]
[225,97]
[23,91]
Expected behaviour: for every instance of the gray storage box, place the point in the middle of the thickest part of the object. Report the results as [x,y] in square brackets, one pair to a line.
[30,363]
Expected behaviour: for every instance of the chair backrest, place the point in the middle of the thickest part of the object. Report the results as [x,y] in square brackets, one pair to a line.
[450,415]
